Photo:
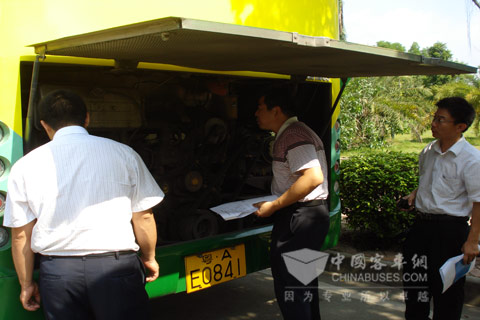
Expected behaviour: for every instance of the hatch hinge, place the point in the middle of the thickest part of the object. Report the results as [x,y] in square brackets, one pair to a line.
[298,78]
[125,65]
[336,103]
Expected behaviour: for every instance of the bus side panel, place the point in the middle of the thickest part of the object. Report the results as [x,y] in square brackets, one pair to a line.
[11,149]
[10,307]
[335,205]
[171,258]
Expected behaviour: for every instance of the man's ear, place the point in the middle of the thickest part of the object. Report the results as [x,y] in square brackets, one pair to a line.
[49,130]
[461,127]
[277,110]
[44,125]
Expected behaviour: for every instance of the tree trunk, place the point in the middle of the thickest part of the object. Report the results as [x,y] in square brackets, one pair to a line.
[476,3]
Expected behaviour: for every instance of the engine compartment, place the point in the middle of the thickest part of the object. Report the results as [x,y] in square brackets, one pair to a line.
[196,133]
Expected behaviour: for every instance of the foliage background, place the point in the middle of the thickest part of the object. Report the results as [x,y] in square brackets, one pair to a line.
[376,114]
[371,184]
[375,110]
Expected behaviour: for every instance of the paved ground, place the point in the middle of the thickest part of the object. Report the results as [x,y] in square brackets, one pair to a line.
[476,271]
[252,297]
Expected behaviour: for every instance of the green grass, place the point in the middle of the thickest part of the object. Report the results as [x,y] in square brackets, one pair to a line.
[405,143]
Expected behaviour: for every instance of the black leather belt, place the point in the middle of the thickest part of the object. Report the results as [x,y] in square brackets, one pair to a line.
[115,254]
[110,254]
[436,217]
[312,203]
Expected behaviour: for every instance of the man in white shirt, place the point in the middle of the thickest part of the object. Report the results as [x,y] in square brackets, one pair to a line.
[300,213]
[448,195]
[84,203]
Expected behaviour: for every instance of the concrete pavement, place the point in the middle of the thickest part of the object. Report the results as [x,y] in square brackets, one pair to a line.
[252,297]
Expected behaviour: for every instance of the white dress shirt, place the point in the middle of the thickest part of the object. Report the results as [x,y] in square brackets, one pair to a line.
[449,181]
[82,190]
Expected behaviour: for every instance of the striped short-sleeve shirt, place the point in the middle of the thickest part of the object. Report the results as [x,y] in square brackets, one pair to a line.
[297,147]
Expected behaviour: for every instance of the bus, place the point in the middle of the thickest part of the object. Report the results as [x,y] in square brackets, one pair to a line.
[178,81]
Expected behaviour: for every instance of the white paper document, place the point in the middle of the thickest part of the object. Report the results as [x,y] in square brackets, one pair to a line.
[454,269]
[239,209]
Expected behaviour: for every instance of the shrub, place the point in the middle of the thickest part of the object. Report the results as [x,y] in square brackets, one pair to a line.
[370,186]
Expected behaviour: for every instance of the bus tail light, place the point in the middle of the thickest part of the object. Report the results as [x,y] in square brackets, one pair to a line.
[2,203]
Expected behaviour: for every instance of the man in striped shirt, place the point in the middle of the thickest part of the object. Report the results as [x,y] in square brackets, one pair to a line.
[300,213]
[84,203]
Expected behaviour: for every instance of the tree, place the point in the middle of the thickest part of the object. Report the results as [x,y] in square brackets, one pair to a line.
[341,26]
[476,3]
[375,109]
[411,102]
[467,87]
[438,50]
[391,45]
[414,49]
[361,126]
[474,98]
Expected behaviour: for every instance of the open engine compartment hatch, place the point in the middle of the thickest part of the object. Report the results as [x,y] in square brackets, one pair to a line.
[227,47]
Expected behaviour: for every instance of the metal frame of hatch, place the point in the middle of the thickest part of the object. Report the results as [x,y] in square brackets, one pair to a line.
[227,47]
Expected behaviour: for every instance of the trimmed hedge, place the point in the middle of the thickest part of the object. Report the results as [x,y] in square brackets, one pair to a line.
[370,186]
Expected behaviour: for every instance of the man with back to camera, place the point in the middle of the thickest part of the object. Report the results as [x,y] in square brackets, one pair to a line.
[300,213]
[448,194]
[83,203]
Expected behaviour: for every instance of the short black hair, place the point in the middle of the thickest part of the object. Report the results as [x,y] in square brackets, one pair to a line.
[281,97]
[61,108]
[460,110]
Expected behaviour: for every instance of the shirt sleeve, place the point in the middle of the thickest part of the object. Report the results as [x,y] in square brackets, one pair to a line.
[147,193]
[472,181]
[17,209]
[302,157]
[422,157]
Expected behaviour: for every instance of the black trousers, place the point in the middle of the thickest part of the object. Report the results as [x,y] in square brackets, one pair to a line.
[93,287]
[435,242]
[297,228]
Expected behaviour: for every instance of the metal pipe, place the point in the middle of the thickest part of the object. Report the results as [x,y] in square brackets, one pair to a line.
[30,120]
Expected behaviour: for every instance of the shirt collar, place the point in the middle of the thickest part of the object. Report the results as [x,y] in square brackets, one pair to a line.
[285,125]
[455,149]
[69,130]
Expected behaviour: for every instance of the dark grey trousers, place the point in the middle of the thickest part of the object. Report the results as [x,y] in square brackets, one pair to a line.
[297,228]
[93,287]
[437,241]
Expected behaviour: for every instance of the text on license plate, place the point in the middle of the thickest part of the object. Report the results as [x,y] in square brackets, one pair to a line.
[214,267]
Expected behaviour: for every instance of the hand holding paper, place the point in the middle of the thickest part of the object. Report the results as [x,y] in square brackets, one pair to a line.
[239,209]
[470,250]
[454,269]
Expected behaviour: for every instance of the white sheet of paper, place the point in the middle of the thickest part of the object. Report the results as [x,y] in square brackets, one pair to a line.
[453,269]
[239,209]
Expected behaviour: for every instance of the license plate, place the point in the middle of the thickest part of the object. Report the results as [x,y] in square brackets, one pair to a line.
[214,267]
